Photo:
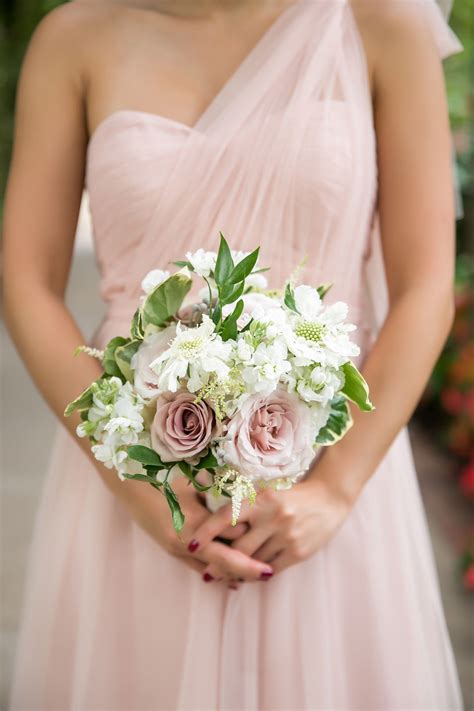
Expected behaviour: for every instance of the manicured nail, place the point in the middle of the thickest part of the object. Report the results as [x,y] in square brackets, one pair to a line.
[193,545]
[207,577]
[266,575]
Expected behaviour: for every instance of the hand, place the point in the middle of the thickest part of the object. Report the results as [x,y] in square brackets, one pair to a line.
[150,510]
[286,527]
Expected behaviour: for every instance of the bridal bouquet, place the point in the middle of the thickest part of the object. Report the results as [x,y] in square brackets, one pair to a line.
[235,392]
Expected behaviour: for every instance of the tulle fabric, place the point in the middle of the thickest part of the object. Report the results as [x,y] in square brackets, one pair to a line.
[284,157]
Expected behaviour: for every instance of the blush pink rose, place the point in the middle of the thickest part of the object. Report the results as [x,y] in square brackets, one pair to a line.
[146,382]
[181,428]
[270,437]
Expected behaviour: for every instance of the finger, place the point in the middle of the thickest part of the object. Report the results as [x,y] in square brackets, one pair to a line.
[284,560]
[232,532]
[270,549]
[254,539]
[237,564]
[211,527]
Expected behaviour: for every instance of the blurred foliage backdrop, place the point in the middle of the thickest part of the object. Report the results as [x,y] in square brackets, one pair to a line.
[448,405]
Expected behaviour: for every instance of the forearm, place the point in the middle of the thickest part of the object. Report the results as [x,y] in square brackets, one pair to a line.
[46,336]
[396,369]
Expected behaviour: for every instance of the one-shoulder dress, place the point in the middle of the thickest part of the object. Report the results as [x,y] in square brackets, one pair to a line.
[284,157]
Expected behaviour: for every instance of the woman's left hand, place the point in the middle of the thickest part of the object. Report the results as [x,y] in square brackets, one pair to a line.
[285,527]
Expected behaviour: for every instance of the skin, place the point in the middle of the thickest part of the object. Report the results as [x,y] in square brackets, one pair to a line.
[92,57]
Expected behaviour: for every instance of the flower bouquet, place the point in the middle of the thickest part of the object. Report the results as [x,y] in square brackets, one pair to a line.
[236,392]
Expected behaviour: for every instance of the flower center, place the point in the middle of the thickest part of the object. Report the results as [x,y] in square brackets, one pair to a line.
[310,330]
[191,348]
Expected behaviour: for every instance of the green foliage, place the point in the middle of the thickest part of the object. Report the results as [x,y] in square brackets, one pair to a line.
[165,300]
[339,422]
[355,388]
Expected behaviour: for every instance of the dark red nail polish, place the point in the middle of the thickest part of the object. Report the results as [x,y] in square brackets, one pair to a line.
[266,575]
[193,545]
[207,577]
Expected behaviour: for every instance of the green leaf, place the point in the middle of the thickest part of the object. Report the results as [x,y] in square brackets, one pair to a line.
[207,462]
[185,468]
[355,388]
[229,325]
[146,455]
[217,313]
[136,328]
[184,264]
[123,357]
[242,270]
[224,262]
[139,477]
[191,475]
[82,401]
[165,300]
[173,503]
[339,422]
[109,363]
[229,294]
[290,298]
[323,290]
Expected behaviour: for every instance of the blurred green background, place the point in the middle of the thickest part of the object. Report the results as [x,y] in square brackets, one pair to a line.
[447,409]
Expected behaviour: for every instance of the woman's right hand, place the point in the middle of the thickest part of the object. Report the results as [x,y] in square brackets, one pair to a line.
[150,510]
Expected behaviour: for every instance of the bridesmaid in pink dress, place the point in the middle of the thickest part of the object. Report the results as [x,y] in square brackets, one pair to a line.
[332,125]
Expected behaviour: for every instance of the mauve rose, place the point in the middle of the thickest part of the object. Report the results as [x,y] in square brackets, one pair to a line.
[182,428]
[145,380]
[271,436]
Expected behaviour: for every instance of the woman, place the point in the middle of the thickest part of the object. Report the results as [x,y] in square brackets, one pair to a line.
[303,126]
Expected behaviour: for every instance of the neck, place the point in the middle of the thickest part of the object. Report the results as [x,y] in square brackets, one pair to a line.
[200,8]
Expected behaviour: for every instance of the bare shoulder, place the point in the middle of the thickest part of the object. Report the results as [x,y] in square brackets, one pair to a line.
[68,34]
[396,33]
[396,25]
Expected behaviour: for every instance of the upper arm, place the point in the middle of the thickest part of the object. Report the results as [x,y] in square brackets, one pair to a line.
[47,169]
[414,151]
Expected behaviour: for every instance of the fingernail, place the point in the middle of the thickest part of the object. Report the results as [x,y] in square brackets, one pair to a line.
[266,575]
[233,587]
[207,577]
[193,545]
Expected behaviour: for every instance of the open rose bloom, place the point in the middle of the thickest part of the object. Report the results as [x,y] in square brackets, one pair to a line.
[246,385]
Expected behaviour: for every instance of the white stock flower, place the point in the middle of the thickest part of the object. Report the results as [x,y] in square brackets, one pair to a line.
[264,366]
[194,353]
[153,279]
[203,262]
[109,455]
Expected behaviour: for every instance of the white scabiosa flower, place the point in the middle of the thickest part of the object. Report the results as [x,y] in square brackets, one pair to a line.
[202,262]
[194,353]
[154,279]
[317,333]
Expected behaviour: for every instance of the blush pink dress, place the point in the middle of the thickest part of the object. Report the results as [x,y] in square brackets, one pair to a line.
[284,157]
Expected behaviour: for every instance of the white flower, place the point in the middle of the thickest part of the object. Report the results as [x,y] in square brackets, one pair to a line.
[109,455]
[318,334]
[266,365]
[145,380]
[153,279]
[203,262]
[256,281]
[194,353]
[317,384]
